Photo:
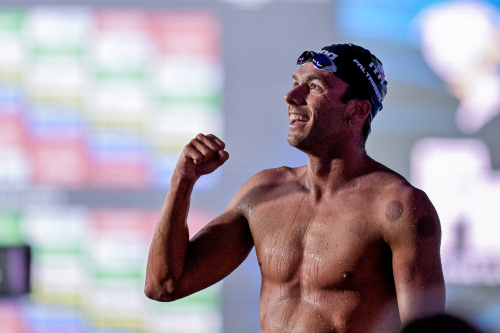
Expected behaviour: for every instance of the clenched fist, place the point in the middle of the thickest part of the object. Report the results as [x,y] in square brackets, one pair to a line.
[203,155]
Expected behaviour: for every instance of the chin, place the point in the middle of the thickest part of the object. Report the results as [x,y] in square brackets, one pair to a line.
[292,141]
[296,143]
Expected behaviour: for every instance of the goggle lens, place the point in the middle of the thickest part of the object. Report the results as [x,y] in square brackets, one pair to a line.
[305,57]
[319,60]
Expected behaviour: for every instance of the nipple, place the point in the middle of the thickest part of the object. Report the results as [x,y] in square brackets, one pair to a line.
[346,276]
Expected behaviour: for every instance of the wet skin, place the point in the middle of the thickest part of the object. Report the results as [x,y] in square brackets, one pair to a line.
[325,264]
[344,244]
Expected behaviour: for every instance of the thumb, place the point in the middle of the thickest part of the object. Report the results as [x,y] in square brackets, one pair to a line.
[210,166]
[223,156]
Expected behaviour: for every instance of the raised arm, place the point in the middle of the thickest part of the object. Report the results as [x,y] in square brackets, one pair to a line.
[177,266]
[417,270]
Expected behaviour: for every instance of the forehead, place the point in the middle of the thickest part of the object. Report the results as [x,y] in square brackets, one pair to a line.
[308,72]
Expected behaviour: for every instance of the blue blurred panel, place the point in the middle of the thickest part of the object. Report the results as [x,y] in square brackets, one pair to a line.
[55,319]
[378,20]
[489,319]
[55,122]
[11,98]
[117,146]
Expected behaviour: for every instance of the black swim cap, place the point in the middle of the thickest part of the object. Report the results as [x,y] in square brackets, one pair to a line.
[354,65]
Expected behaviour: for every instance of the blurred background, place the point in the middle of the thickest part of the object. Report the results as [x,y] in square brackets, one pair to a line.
[98,99]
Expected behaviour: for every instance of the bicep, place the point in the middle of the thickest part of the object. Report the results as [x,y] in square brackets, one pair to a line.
[215,251]
[417,267]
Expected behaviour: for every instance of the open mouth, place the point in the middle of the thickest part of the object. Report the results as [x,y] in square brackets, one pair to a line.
[296,118]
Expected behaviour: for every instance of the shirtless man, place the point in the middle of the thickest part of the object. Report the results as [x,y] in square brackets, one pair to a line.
[344,244]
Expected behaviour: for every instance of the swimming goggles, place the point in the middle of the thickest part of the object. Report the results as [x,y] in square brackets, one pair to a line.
[320,61]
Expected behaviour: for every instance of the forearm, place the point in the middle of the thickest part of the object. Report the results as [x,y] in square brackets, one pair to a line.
[167,254]
[167,276]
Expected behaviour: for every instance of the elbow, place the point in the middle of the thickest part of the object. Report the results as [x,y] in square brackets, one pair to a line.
[154,293]
[161,292]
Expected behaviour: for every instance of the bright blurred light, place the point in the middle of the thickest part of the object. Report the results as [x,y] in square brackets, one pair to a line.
[461,43]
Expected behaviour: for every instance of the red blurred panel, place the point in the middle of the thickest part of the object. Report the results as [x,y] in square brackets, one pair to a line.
[187,33]
[197,219]
[129,221]
[120,174]
[139,222]
[60,162]
[108,20]
[12,130]
[11,318]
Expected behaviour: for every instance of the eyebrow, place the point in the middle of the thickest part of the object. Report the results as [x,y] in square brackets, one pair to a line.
[311,77]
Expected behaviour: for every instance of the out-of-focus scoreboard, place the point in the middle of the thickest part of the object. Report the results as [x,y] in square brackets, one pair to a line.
[102,98]
[93,100]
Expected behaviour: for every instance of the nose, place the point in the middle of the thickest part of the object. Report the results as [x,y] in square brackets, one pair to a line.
[296,95]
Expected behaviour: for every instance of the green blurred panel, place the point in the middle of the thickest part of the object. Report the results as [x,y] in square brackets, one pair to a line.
[133,75]
[55,250]
[129,275]
[11,231]
[70,51]
[201,299]
[11,20]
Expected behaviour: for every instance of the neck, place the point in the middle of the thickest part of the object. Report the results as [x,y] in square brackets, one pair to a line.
[327,175]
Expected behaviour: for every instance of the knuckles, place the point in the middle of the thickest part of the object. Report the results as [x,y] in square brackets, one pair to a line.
[203,148]
[202,155]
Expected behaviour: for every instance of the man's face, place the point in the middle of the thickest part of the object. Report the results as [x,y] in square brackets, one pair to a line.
[315,110]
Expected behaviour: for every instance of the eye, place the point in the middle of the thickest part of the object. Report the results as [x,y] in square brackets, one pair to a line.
[315,86]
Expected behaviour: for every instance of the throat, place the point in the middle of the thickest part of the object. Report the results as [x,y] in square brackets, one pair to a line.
[333,176]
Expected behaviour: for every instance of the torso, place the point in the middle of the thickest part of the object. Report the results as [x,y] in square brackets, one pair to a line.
[325,265]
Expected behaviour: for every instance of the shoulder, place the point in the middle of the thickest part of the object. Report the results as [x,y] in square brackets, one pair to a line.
[270,178]
[404,211]
[268,183]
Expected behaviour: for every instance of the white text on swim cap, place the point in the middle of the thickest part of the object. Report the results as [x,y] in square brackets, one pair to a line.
[374,85]
[378,70]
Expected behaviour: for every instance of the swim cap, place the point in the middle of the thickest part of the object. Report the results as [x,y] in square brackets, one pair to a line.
[354,65]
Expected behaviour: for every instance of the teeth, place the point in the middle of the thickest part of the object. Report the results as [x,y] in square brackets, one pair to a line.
[295,117]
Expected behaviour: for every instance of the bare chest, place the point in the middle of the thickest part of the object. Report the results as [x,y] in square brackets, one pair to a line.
[322,246]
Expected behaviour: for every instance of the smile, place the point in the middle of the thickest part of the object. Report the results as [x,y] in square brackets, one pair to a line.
[296,117]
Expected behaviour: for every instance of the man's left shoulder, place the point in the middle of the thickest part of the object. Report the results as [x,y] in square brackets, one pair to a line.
[391,186]
[400,205]
[414,200]
[388,185]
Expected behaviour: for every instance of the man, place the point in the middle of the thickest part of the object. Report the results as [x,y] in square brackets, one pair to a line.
[343,243]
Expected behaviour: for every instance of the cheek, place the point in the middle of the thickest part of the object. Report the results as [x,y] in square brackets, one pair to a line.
[329,112]
[320,107]
[326,108]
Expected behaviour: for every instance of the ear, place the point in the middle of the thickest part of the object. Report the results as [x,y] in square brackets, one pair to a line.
[361,110]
